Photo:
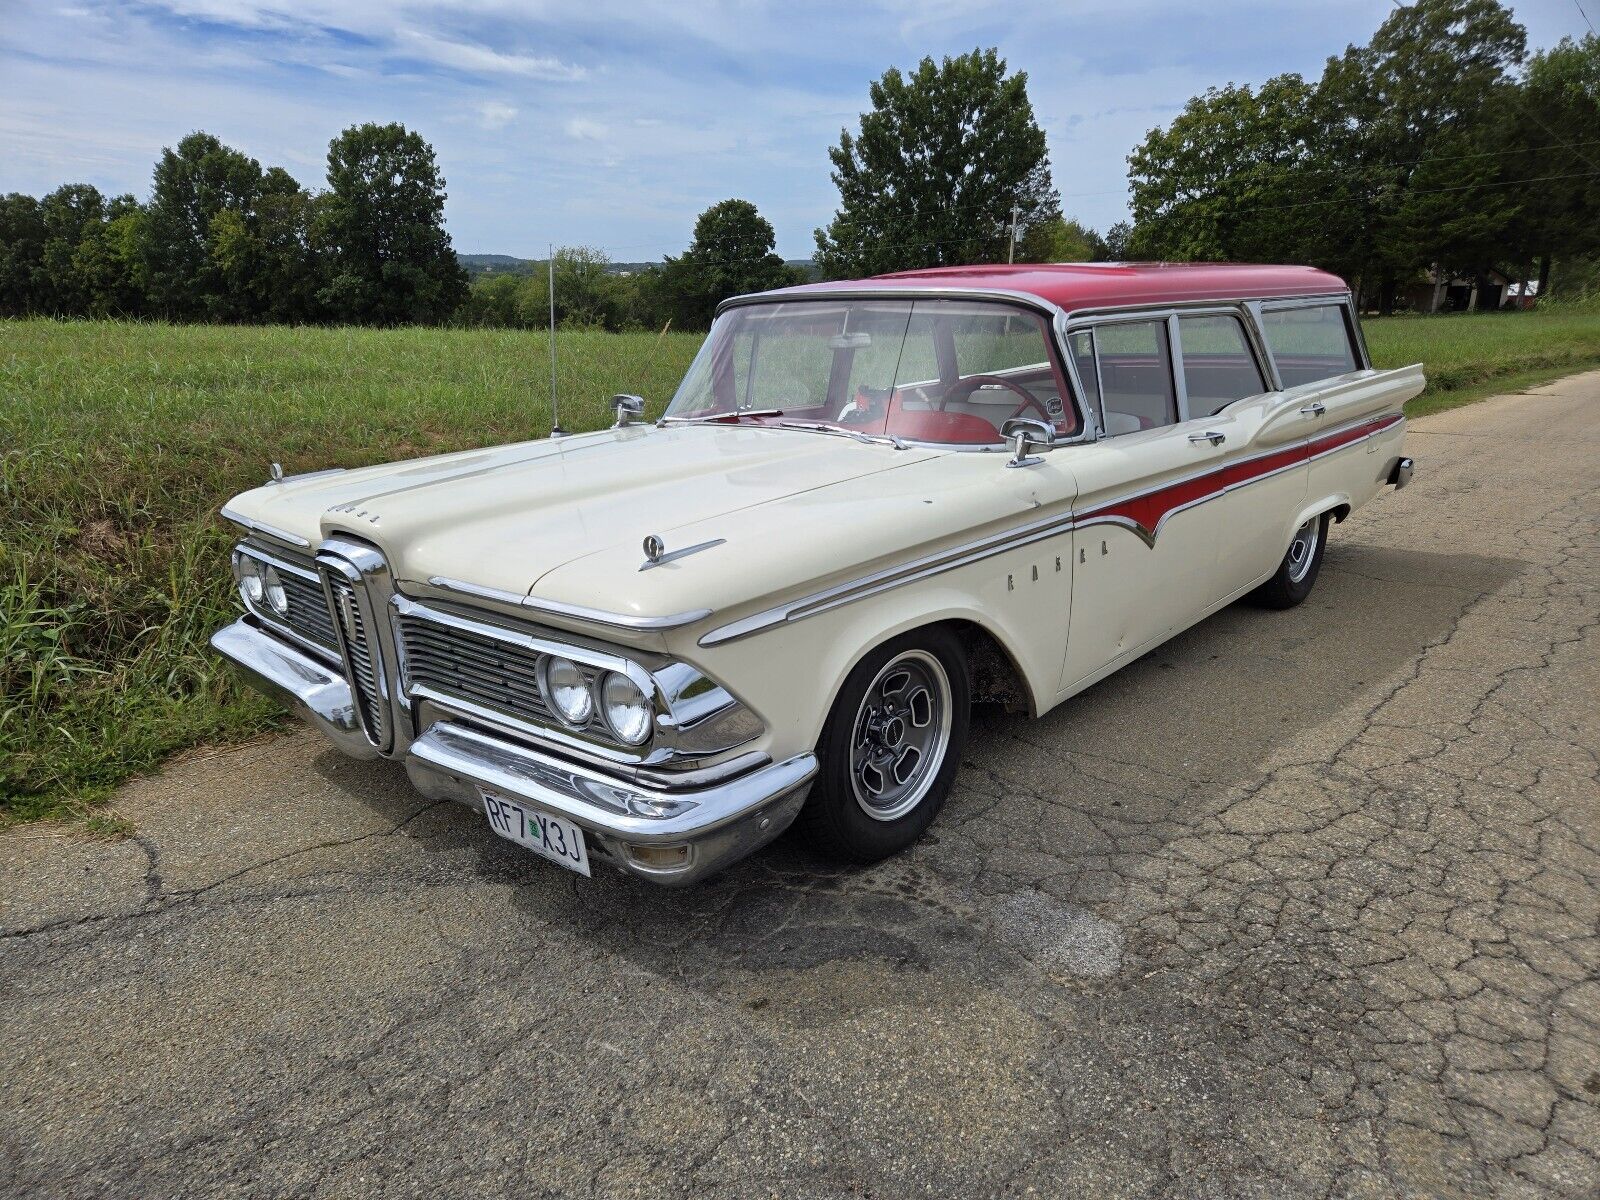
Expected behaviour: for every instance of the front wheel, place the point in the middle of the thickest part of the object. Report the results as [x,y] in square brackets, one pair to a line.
[1301,564]
[891,747]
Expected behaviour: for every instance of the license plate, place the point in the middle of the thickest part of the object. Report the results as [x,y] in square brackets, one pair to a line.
[550,837]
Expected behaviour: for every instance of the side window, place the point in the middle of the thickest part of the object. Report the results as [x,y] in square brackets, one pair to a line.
[1218,367]
[1135,376]
[1082,346]
[1308,343]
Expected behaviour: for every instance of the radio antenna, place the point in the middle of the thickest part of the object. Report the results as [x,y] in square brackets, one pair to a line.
[555,413]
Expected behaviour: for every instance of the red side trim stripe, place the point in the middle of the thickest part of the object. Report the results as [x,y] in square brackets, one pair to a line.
[1149,510]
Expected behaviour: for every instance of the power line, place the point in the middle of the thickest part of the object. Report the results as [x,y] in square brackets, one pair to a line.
[1585,16]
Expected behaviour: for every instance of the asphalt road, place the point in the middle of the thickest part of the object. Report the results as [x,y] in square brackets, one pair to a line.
[1303,904]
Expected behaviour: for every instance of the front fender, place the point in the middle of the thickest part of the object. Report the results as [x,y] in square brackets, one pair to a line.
[791,673]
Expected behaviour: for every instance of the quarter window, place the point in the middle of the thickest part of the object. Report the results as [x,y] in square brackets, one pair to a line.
[1135,376]
[1308,343]
[1218,366]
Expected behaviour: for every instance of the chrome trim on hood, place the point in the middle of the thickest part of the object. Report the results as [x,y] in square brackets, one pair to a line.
[261,527]
[576,612]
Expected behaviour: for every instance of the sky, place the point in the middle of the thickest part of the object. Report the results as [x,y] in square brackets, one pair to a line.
[613,123]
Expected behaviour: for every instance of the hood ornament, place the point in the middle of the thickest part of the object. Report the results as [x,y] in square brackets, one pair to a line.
[276,472]
[656,553]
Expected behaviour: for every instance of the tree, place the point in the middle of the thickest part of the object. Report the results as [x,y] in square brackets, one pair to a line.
[1061,239]
[730,254]
[936,168]
[1550,138]
[381,226]
[106,261]
[1239,174]
[1385,166]
[1116,242]
[1413,115]
[22,235]
[192,186]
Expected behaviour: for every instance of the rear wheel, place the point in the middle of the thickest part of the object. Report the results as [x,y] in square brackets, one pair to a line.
[891,748]
[1301,564]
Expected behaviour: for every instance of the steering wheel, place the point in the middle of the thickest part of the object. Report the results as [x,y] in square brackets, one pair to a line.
[964,388]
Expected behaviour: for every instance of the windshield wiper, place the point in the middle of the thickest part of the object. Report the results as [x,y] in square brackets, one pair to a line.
[735,415]
[876,439]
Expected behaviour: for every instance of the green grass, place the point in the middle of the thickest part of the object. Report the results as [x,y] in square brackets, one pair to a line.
[119,441]
[1470,356]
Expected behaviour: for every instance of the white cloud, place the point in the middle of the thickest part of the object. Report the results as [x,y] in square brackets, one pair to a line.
[469,56]
[495,114]
[583,129]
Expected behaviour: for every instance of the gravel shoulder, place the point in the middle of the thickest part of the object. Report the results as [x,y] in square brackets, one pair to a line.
[1302,904]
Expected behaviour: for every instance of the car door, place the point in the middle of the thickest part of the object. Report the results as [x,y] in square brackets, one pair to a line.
[1143,551]
[1226,391]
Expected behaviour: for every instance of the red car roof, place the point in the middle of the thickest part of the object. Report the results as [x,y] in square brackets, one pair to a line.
[1075,286]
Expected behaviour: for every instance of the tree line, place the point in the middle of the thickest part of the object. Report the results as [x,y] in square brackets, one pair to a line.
[221,239]
[1438,148]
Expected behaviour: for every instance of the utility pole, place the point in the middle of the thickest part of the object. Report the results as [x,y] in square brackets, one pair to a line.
[555,413]
[1011,249]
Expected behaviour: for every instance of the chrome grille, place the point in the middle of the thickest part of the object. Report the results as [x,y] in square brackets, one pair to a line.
[458,663]
[363,667]
[308,610]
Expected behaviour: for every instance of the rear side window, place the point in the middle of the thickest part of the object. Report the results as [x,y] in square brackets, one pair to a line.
[1218,365]
[1308,343]
[1135,376]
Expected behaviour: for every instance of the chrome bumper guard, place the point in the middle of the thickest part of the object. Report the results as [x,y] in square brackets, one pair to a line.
[668,836]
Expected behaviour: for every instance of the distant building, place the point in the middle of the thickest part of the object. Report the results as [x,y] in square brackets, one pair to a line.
[1443,292]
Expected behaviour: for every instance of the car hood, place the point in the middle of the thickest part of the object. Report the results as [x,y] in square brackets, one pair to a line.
[507,517]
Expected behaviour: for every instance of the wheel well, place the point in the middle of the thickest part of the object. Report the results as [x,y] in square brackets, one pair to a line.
[1340,512]
[995,677]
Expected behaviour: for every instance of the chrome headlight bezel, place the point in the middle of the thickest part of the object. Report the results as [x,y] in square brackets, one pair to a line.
[273,593]
[580,687]
[630,731]
[249,574]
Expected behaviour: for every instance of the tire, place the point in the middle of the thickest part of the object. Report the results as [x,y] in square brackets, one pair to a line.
[891,748]
[1302,563]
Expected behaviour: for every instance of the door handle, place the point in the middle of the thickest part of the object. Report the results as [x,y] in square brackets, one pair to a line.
[1315,409]
[1215,438]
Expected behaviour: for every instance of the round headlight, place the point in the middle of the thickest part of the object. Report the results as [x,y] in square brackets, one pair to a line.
[250,584]
[626,709]
[272,586]
[567,691]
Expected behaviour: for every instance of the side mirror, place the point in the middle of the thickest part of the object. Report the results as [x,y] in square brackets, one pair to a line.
[627,407]
[1025,434]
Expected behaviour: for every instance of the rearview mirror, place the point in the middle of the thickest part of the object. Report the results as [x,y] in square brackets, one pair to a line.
[850,341]
[627,407]
[1025,434]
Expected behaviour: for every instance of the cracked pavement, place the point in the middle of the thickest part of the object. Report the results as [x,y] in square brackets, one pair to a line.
[1302,904]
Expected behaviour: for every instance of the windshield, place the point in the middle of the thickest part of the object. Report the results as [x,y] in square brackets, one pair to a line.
[948,371]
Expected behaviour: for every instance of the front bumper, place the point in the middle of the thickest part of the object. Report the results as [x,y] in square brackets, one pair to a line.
[670,836]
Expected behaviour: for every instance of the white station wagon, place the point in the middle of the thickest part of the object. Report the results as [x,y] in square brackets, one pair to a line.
[869,505]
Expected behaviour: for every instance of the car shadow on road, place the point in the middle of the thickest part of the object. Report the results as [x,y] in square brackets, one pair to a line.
[1045,814]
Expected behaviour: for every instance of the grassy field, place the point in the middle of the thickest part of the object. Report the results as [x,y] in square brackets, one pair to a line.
[120,441]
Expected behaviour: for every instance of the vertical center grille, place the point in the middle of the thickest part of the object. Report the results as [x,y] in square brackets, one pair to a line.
[346,571]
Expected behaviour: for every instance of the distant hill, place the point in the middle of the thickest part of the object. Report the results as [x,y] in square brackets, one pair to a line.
[505,264]
[496,264]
